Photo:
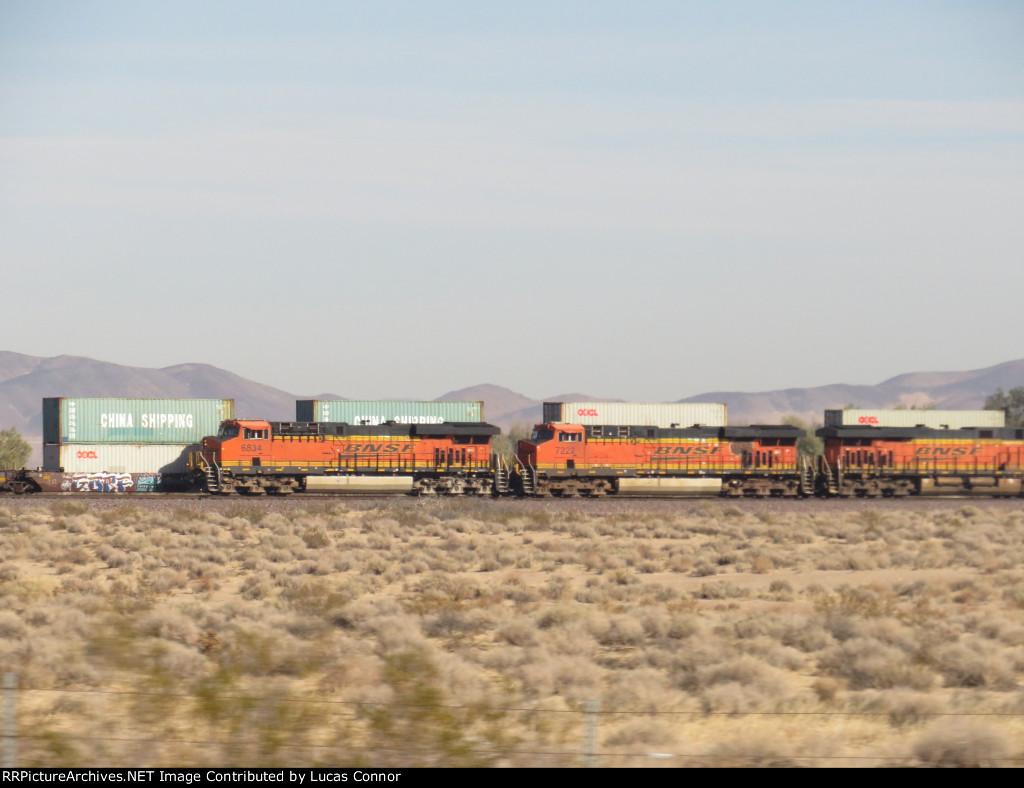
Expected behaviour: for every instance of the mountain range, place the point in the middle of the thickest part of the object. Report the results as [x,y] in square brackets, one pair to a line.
[25,380]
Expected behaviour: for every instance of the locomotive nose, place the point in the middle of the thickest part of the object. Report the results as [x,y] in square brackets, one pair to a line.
[526,451]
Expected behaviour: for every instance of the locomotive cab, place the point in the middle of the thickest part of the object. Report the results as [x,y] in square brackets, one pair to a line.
[551,443]
[236,440]
[241,444]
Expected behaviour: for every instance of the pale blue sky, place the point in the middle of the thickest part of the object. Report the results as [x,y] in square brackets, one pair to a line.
[644,200]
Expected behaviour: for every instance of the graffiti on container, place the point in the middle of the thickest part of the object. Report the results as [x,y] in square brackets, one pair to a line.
[97,482]
[147,483]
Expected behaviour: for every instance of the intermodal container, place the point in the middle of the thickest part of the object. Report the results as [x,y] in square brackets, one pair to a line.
[381,411]
[936,419]
[133,421]
[118,457]
[641,414]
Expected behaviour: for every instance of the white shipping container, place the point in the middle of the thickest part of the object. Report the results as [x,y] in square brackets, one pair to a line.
[936,419]
[641,414]
[117,457]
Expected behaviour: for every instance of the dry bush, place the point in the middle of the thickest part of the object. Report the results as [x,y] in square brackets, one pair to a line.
[11,626]
[650,732]
[763,750]
[517,631]
[722,589]
[974,664]
[8,572]
[828,689]
[735,698]
[618,630]
[573,638]
[575,678]
[867,663]
[904,707]
[962,743]
[169,624]
[453,623]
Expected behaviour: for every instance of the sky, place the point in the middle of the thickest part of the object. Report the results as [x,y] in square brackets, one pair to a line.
[642,200]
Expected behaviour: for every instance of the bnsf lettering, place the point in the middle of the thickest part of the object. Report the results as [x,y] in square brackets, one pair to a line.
[147,421]
[686,450]
[86,455]
[947,451]
[868,420]
[377,448]
[586,412]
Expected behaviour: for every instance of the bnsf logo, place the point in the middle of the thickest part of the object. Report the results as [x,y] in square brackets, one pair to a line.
[86,455]
[586,412]
[868,420]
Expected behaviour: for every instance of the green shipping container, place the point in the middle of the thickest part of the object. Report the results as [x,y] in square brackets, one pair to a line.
[119,420]
[381,411]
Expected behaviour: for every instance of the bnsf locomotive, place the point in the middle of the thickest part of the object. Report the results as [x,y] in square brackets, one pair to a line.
[869,461]
[591,460]
[256,457]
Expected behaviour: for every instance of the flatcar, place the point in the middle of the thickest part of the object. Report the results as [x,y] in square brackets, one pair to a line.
[593,460]
[257,457]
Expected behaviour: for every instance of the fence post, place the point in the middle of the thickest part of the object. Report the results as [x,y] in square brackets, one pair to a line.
[10,717]
[590,741]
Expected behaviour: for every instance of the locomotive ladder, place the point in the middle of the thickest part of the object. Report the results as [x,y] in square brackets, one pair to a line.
[501,476]
[527,478]
[807,476]
[831,481]
[212,477]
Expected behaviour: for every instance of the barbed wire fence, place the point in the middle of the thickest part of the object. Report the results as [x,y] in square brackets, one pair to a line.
[588,754]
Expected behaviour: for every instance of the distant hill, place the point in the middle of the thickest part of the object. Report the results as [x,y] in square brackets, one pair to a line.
[947,390]
[498,401]
[25,380]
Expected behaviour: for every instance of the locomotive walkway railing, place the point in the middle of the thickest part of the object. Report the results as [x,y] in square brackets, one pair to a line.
[939,465]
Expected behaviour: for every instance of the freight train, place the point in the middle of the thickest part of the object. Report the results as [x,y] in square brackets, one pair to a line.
[884,454]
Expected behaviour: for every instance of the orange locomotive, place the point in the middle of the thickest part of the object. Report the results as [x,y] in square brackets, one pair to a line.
[565,459]
[255,457]
[591,460]
[869,461]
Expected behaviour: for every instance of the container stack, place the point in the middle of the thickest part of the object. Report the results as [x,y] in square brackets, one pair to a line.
[382,411]
[641,414]
[127,444]
[935,419]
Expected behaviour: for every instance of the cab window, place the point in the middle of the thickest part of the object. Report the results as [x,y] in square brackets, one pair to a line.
[570,437]
[255,435]
[540,436]
[228,431]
